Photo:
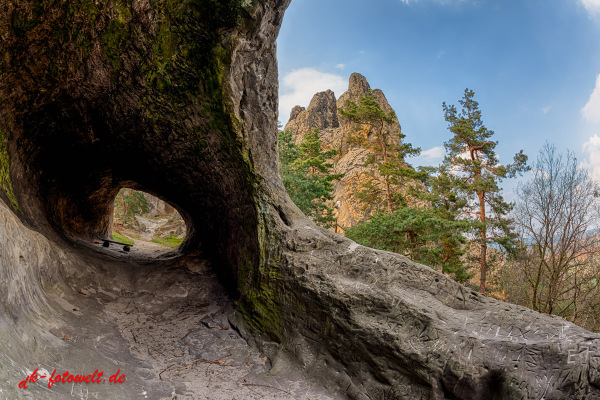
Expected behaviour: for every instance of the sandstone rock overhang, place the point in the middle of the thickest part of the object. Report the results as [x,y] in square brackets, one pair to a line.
[100,96]
[179,99]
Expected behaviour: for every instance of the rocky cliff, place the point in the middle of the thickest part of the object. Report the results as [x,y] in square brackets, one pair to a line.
[334,130]
[186,91]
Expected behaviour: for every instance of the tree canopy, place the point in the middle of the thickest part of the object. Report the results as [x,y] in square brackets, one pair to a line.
[555,269]
[471,155]
[307,176]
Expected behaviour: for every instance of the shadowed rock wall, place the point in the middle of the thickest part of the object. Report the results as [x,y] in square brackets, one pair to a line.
[179,99]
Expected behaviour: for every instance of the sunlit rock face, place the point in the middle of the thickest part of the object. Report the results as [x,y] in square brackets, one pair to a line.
[179,99]
[350,161]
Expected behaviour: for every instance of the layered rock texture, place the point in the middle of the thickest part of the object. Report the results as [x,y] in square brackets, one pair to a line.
[335,132]
[187,93]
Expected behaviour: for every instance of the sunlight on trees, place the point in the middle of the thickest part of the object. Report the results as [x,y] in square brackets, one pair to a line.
[387,161]
[481,174]
[556,269]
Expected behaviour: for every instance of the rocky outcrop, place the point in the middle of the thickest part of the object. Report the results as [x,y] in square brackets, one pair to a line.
[335,131]
[320,114]
[158,207]
[357,87]
[187,92]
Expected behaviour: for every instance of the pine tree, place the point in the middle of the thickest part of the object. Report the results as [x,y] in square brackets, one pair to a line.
[307,176]
[422,234]
[433,235]
[129,203]
[471,156]
[445,195]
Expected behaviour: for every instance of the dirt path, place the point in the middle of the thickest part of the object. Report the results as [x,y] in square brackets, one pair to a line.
[186,331]
[142,239]
[163,322]
[149,226]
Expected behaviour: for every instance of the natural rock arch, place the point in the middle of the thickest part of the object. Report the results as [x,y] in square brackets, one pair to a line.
[179,99]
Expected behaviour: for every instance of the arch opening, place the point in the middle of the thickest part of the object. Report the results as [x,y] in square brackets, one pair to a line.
[146,222]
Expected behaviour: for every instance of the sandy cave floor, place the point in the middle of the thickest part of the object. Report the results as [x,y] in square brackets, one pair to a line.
[190,341]
[178,326]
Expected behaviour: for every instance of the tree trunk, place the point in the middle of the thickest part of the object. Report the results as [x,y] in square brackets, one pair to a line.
[388,195]
[483,265]
[387,181]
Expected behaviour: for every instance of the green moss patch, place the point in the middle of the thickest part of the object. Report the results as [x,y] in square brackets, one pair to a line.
[120,238]
[5,182]
[114,39]
[260,286]
[168,242]
[186,68]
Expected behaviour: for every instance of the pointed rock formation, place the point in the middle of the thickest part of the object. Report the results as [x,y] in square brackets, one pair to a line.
[335,130]
[357,87]
[321,114]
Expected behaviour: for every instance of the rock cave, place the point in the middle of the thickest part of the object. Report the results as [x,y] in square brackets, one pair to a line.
[179,99]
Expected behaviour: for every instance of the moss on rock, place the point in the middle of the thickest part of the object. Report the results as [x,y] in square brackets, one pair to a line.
[5,182]
[260,285]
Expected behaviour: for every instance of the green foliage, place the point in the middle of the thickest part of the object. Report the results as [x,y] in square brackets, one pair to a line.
[425,235]
[386,163]
[120,238]
[445,191]
[371,197]
[312,157]
[128,204]
[445,195]
[288,151]
[433,235]
[307,176]
[472,157]
[169,241]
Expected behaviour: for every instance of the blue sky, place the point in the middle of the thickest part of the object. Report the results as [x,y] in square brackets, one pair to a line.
[534,66]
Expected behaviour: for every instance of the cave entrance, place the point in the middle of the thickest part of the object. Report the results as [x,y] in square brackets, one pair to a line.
[146,222]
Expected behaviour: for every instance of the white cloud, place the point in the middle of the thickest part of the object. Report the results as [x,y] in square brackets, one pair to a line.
[546,110]
[300,85]
[591,111]
[592,147]
[431,156]
[340,66]
[592,6]
[434,153]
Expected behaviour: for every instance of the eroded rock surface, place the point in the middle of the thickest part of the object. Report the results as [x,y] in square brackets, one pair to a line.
[188,91]
[169,327]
